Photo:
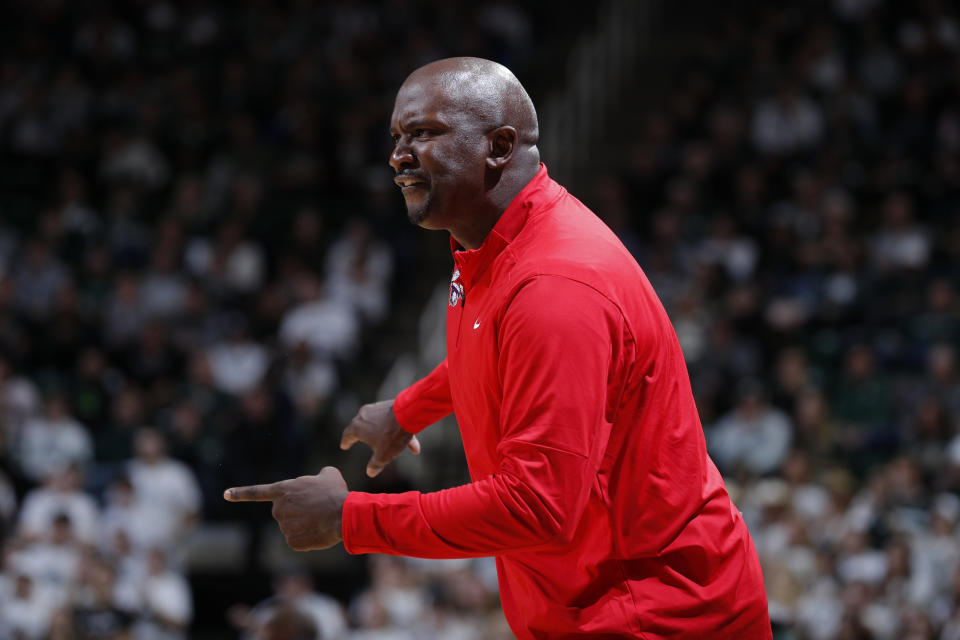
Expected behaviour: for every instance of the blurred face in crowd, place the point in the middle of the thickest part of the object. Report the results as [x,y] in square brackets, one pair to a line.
[293,586]
[68,479]
[23,587]
[438,154]
[859,363]
[150,446]
[287,623]
[56,408]
[62,532]
[156,562]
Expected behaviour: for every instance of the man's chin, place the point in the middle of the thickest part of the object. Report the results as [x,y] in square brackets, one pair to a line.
[418,212]
[417,216]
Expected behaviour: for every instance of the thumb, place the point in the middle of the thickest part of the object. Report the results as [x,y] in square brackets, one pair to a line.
[414,445]
[348,438]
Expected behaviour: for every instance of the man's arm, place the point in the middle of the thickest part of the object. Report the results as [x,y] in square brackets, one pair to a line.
[388,427]
[308,508]
[560,344]
[425,401]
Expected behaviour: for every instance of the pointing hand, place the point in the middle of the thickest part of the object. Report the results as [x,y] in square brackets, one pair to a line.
[308,509]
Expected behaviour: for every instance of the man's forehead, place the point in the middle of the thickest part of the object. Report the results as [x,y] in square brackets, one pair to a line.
[418,99]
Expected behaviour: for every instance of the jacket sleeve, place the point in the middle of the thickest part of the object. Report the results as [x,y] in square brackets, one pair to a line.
[425,401]
[559,352]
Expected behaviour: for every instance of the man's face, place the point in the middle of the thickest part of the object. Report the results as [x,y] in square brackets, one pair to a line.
[438,155]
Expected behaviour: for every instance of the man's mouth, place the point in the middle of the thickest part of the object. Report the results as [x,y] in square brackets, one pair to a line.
[409,182]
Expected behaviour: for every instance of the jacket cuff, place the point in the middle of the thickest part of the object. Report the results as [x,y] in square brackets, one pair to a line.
[404,411]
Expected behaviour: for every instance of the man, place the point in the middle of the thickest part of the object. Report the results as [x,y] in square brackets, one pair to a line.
[591,482]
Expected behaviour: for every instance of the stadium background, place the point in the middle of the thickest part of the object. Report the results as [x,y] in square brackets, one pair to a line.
[201,252]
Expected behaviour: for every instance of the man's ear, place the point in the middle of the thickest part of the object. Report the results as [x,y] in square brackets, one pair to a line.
[503,142]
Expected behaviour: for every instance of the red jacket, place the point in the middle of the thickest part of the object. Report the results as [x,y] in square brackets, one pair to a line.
[591,480]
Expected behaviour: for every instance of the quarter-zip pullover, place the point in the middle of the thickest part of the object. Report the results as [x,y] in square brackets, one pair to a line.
[591,482]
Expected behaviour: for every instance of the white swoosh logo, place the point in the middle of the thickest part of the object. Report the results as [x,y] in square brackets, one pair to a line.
[476,324]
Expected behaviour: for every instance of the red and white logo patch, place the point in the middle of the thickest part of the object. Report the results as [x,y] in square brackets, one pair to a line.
[456,289]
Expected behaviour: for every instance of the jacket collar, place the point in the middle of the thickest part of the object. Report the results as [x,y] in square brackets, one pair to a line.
[535,196]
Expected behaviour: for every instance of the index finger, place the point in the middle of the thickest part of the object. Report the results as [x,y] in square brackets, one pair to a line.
[253,493]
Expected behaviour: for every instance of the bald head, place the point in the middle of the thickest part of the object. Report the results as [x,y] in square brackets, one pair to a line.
[465,144]
[485,89]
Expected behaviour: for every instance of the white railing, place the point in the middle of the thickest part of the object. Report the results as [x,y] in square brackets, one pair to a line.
[599,70]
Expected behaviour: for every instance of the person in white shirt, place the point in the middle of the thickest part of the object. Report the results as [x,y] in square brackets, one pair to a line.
[26,607]
[141,525]
[51,442]
[165,489]
[295,591]
[60,494]
[19,401]
[787,122]
[288,623]
[237,364]
[52,562]
[359,269]
[755,435]
[167,603]
[329,326]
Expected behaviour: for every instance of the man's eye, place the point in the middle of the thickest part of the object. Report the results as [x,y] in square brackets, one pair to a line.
[420,133]
[395,137]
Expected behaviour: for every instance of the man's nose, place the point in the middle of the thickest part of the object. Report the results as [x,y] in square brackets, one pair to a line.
[402,156]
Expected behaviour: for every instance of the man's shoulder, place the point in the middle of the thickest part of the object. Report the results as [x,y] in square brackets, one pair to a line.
[570,241]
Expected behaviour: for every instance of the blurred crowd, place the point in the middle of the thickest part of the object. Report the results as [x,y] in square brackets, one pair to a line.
[795,200]
[200,247]
[406,599]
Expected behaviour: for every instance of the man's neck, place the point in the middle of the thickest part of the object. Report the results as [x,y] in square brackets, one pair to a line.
[473,234]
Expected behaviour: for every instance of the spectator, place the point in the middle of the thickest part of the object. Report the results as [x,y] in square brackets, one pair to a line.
[165,491]
[19,400]
[52,561]
[328,326]
[358,272]
[89,399]
[61,494]
[310,380]
[98,610]
[232,265]
[113,443]
[27,608]
[754,435]
[38,278]
[166,601]
[124,316]
[900,244]
[238,364]
[293,592]
[392,601]
[52,442]
[288,623]
[862,401]
[787,123]
[164,290]
[8,505]
[128,521]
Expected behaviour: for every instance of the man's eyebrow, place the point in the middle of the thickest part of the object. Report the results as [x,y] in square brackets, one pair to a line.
[419,123]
